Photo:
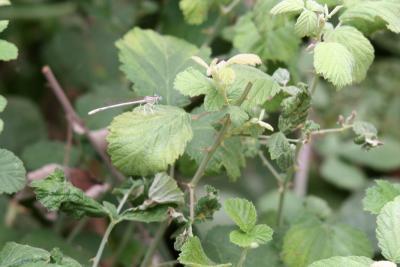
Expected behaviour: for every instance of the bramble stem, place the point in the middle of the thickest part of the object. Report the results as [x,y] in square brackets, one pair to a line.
[154,244]
[242,258]
[110,227]
[269,166]
[210,152]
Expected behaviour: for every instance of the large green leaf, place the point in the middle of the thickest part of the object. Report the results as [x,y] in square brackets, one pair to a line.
[334,62]
[259,235]
[192,82]
[351,261]
[164,189]
[242,212]
[388,231]
[374,12]
[358,45]
[377,196]
[12,172]
[14,254]
[144,142]
[307,23]
[151,61]
[311,239]
[55,193]
[193,255]
[342,174]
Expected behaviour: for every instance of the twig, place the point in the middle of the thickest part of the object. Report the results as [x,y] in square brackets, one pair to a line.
[68,146]
[76,122]
[271,168]
[154,244]
[301,178]
[333,130]
[242,258]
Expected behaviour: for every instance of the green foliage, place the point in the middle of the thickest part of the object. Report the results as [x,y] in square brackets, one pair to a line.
[8,51]
[193,255]
[56,193]
[310,240]
[156,214]
[12,173]
[259,235]
[307,23]
[377,196]
[195,11]
[367,134]
[387,230]
[373,14]
[286,6]
[14,254]
[342,174]
[318,207]
[163,190]
[351,261]
[151,61]
[144,141]
[281,151]
[207,205]
[242,212]
[192,82]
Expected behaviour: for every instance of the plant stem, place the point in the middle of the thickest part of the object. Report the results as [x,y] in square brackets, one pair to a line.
[242,258]
[269,166]
[157,238]
[210,152]
[110,227]
[334,130]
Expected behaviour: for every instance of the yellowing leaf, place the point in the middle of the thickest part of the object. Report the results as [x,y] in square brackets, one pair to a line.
[144,142]
[334,62]
[245,59]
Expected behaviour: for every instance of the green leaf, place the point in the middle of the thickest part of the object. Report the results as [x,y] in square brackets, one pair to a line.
[259,235]
[359,46]
[334,62]
[219,248]
[195,11]
[193,255]
[14,254]
[377,196]
[164,189]
[214,101]
[281,151]
[342,175]
[281,76]
[307,23]
[351,261]
[4,23]
[388,232]
[3,103]
[367,135]
[55,193]
[310,240]
[294,110]
[242,212]
[237,115]
[228,156]
[286,6]
[318,207]
[152,61]
[158,213]
[145,142]
[374,12]
[192,82]
[207,205]
[45,152]
[8,51]
[12,173]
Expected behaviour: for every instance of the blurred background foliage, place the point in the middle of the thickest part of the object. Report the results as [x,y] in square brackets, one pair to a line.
[77,39]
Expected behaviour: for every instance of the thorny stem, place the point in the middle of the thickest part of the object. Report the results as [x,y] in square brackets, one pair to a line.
[76,122]
[110,227]
[153,246]
[210,152]
[242,258]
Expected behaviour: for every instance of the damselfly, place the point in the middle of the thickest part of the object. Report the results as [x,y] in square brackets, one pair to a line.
[149,101]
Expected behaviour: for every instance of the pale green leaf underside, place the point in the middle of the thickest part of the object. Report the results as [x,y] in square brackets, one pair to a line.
[288,6]
[193,255]
[312,240]
[334,62]
[195,11]
[259,235]
[377,196]
[3,25]
[14,254]
[192,82]
[164,189]
[373,11]
[351,261]
[151,61]
[307,23]
[8,51]
[358,45]
[144,141]
[342,174]
[242,212]
[388,230]
[12,173]
[158,213]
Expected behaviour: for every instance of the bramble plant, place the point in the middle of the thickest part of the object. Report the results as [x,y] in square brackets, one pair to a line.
[199,115]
